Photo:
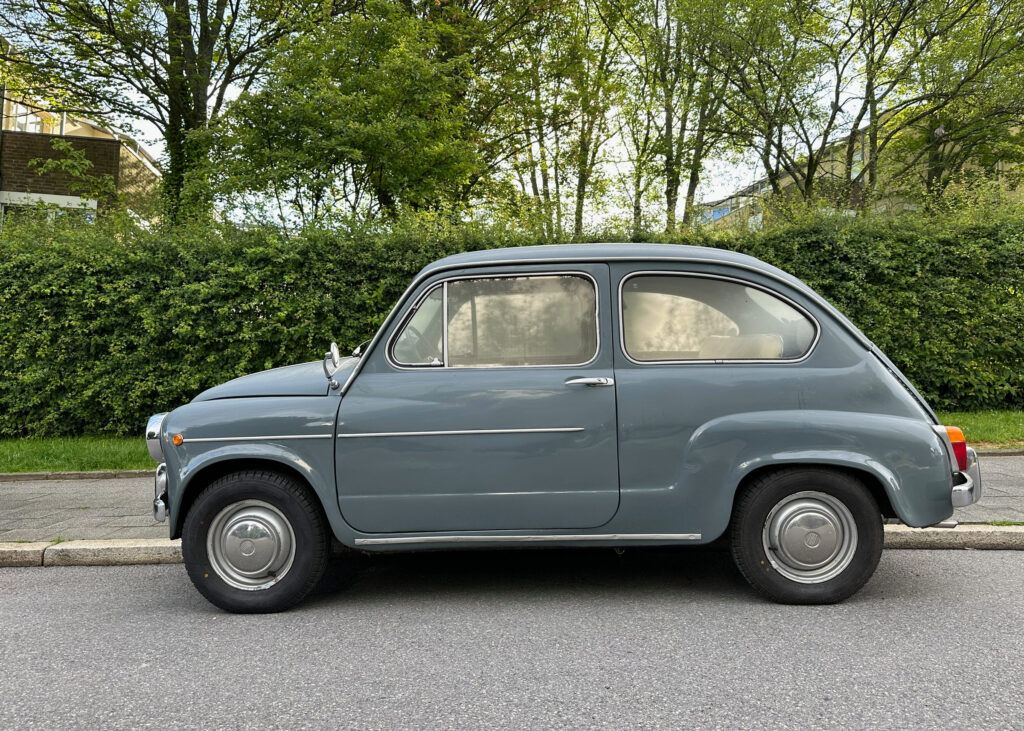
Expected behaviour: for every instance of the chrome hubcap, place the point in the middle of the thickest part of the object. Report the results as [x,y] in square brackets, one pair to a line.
[251,545]
[810,537]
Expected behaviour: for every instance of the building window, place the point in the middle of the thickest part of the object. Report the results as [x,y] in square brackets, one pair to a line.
[24,119]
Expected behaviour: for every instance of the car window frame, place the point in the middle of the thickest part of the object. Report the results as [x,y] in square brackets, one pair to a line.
[714,361]
[411,311]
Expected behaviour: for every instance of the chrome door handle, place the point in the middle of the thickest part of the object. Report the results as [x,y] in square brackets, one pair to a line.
[590,381]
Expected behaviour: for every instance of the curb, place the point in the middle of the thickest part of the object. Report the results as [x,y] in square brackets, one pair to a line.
[976,536]
[111,552]
[1000,452]
[129,552]
[97,475]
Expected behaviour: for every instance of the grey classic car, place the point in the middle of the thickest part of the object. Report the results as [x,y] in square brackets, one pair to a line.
[583,395]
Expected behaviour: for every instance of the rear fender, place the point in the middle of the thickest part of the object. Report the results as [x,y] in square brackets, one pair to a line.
[903,454]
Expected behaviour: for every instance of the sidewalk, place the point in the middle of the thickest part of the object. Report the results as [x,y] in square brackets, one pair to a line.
[46,510]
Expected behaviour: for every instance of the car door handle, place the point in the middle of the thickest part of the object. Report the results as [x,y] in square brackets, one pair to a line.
[590,381]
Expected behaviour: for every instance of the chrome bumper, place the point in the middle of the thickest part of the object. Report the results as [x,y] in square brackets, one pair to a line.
[968,491]
[160,494]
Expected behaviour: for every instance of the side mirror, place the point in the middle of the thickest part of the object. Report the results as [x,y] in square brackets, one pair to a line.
[332,360]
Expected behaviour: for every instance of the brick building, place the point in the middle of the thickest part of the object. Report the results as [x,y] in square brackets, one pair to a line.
[28,133]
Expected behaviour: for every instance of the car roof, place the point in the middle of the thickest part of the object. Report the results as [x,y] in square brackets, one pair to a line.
[606,252]
[562,253]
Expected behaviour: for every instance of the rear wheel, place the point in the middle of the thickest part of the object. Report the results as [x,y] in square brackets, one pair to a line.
[255,542]
[807,536]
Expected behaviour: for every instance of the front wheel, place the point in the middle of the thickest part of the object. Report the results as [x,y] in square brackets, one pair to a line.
[807,536]
[255,542]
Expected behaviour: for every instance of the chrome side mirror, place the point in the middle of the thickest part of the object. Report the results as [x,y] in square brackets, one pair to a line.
[333,356]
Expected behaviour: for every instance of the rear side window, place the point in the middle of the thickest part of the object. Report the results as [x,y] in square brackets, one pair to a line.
[502,321]
[672,317]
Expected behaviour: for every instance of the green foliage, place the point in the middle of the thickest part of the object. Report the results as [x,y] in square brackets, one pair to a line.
[74,454]
[997,428]
[104,324]
[361,115]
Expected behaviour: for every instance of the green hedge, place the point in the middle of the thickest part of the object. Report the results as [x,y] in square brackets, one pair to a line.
[102,325]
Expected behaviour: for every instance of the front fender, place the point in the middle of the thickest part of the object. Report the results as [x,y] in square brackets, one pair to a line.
[903,454]
[296,433]
[251,454]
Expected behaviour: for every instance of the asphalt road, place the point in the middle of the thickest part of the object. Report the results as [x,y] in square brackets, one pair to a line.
[535,639]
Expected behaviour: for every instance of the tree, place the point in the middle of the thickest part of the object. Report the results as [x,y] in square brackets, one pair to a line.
[170,64]
[360,116]
[810,75]
[665,42]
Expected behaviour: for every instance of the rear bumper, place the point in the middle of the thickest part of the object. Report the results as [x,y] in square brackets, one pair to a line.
[967,484]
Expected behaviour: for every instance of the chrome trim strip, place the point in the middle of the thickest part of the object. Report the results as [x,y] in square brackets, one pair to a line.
[444,325]
[840,319]
[715,361]
[500,275]
[535,538]
[256,439]
[550,430]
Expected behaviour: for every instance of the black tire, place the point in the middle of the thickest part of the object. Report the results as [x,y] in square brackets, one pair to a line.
[771,570]
[271,494]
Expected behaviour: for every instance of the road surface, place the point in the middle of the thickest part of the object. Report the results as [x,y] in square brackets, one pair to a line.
[531,639]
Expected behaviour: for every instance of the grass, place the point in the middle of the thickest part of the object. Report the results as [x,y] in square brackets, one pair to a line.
[982,429]
[74,454]
[988,428]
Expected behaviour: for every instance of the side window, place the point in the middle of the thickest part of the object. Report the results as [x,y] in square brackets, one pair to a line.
[502,321]
[419,343]
[675,317]
[519,321]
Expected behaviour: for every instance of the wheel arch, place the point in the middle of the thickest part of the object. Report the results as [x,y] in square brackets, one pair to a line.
[213,471]
[866,477]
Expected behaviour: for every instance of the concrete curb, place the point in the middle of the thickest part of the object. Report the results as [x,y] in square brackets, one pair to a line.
[128,551]
[23,554]
[111,552]
[978,536]
[1000,452]
[98,475]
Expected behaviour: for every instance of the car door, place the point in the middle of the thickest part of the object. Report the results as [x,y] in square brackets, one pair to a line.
[489,405]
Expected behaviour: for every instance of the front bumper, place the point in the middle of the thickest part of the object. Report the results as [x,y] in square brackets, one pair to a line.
[967,484]
[160,494]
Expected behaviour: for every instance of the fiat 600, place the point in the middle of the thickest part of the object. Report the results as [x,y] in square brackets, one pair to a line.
[584,395]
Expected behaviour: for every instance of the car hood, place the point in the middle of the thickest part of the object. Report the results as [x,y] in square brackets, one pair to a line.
[305,379]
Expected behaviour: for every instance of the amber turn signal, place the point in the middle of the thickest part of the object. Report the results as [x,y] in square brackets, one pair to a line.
[176,440]
[956,438]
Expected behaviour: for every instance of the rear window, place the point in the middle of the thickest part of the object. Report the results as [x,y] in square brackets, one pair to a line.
[675,317]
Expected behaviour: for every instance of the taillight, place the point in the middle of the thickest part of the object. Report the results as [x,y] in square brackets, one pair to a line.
[956,438]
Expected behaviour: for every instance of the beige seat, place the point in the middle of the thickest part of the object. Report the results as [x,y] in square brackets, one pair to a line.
[735,347]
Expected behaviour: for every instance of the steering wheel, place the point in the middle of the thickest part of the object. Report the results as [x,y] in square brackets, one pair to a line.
[419,345]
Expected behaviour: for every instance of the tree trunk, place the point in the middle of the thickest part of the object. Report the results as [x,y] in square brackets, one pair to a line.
[696,163]
[637,207]
[173,181]
[582,179]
